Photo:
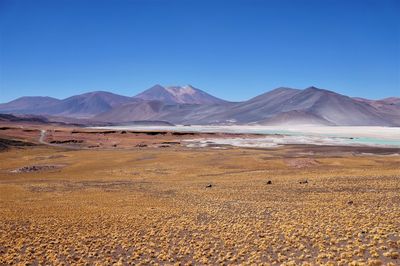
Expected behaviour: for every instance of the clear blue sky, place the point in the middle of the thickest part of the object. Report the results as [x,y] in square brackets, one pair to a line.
[234,49]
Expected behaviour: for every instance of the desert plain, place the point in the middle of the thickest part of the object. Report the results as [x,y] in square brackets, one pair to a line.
[73,196]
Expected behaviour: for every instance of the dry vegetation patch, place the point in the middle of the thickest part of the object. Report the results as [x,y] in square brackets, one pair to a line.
[156,206]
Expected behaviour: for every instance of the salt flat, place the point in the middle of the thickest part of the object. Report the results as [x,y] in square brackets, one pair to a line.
[320,135]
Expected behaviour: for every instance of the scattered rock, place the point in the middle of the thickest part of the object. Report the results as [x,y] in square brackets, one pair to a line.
[68,141]
[304,182]
[269,182]
[141,145]
[171,142]
[350,202]
[93,146]
[35,168]
[164,146]
[209,186]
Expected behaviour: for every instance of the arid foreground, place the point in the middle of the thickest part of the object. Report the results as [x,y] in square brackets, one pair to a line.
[169,204]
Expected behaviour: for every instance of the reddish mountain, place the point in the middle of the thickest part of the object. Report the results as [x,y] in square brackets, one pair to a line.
[178,95]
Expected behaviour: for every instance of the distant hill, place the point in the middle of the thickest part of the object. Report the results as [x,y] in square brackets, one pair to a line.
[23,118]
[78,106]
[87,104]
[27,104]
[387,101]
[388,108]
[333,107]
[188,105]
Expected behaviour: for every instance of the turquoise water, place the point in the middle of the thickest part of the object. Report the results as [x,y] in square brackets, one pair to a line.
[385,142]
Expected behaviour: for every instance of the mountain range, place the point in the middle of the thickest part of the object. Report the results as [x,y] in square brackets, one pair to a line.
[189,105]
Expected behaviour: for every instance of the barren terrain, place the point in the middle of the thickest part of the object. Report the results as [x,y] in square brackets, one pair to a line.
[85,196]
